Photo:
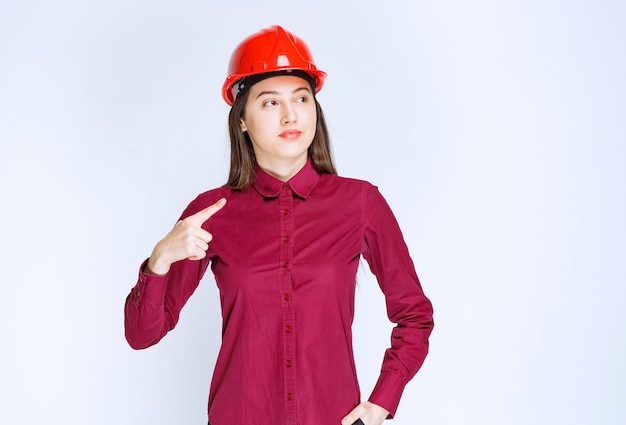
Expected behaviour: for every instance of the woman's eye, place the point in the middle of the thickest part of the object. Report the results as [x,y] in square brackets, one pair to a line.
[269,103]
[302,99]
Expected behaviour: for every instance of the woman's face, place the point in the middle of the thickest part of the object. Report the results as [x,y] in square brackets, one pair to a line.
[280,118]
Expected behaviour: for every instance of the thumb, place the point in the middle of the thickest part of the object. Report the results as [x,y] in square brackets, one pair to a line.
[203,215]
[352,417]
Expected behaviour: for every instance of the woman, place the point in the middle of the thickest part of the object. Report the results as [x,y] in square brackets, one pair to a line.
[283,238]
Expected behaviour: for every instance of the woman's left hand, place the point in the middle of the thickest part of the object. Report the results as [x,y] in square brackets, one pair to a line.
[369,413]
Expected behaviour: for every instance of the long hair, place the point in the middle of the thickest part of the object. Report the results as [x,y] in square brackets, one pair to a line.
[243,160]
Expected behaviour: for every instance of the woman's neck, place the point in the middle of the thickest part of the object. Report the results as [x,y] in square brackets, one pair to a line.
[283,170]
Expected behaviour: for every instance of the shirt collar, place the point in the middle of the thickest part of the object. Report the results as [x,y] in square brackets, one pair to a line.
[302,183]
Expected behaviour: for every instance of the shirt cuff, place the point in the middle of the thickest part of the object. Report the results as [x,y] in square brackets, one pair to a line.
[387,392]
[150,289]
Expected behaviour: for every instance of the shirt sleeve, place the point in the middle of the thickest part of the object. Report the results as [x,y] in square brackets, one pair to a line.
[407,306]
[153,306]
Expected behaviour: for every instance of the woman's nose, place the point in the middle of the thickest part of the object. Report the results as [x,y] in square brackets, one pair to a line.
[289,114]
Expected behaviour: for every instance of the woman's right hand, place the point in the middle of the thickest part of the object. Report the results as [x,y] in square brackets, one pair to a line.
[186,240]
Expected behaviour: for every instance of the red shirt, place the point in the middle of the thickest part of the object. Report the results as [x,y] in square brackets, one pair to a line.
[285,257]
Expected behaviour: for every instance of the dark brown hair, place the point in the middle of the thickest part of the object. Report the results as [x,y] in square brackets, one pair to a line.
[243,161]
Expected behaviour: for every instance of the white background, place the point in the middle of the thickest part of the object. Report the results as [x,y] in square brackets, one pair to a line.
[495,129]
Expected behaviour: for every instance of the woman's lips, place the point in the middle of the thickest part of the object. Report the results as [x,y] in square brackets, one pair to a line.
[290,134]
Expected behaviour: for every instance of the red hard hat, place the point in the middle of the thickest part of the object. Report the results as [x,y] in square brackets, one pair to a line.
[269,50]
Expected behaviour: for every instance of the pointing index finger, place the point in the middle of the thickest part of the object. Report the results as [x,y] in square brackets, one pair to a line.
[204,214]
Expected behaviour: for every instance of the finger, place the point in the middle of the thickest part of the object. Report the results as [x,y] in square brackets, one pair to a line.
[203,215]
[197,254]
[190,230]
[353,416]
[197,257]
[202,244]
[203,235]
[350,420]
[199,248]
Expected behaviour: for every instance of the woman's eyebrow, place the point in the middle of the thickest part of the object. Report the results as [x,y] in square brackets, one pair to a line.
[274,92]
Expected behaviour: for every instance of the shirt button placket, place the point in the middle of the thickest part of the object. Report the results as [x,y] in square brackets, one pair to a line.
[285,289]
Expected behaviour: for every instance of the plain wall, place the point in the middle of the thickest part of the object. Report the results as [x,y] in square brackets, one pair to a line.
[495,129]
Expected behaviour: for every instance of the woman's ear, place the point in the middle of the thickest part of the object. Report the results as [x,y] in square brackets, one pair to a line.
[242,125]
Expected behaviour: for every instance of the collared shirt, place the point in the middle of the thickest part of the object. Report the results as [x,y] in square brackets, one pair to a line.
[285,257]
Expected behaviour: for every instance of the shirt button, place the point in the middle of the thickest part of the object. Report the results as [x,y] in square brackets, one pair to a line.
[288,329]
[138,293]
[286,239]
[288,363]
[286,212]
[287,297]
[289,396]
[286,265]
[285,187]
